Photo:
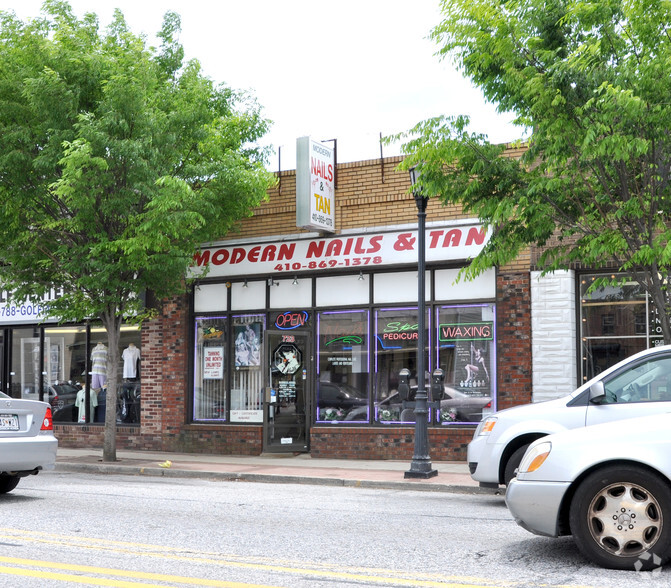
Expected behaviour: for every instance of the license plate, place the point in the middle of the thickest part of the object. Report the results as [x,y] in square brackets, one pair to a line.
[9,422]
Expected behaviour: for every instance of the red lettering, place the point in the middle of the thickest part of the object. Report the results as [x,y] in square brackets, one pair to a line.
[476,235]
[253,254]
[315,249]
[452,238]
[220,256]
[237,255]
[375,244]
[433,238]
[359,246]
[201,257]
[286,251]
[268,253]
[320,169]
[334,248]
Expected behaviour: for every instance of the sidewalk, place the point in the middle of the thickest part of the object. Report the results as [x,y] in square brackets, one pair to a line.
[273,468]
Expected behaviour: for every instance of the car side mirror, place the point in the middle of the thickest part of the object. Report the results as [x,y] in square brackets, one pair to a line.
[597,392]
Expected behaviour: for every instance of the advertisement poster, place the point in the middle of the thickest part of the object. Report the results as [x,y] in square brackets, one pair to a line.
[248,345]
[213,363]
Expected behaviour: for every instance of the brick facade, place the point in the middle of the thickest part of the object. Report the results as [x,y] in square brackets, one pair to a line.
[368,194]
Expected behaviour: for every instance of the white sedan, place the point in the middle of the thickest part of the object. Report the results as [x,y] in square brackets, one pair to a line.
[607,485]
[27,442]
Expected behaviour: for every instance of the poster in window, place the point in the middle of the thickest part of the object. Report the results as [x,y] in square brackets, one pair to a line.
[248,345]
[213,363]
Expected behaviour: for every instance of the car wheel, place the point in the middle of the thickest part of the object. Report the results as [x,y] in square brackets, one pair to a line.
[8,483]
[513,463]
[621,518]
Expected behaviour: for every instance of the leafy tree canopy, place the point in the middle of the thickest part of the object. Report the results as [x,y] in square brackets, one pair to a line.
[589,80]
[117,160]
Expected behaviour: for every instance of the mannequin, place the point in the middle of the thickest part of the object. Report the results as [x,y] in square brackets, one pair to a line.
[80,403]
[98,366]
[130,357]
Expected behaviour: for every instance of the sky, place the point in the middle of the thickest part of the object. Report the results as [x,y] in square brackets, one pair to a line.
[346,70]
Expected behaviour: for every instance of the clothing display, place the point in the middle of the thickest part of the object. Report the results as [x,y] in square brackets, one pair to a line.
[130,356]
[98,366]
[80,403]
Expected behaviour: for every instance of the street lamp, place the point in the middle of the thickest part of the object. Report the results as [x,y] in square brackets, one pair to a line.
[421,461]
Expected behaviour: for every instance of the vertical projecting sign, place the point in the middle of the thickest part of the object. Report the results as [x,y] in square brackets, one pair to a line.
[315,188]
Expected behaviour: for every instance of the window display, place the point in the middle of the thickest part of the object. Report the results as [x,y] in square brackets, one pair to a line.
[209,401]
[396,349]
[342,380]
[466,354]
[247,377]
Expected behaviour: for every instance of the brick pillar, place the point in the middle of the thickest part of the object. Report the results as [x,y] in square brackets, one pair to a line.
[165,369]
[514,357]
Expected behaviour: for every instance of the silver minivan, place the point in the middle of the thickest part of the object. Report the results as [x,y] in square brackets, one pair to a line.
[639,385]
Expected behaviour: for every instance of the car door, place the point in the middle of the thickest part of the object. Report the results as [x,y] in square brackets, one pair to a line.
[639,389]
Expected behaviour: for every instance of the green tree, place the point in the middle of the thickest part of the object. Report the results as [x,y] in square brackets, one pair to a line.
[588,80]
[117,161]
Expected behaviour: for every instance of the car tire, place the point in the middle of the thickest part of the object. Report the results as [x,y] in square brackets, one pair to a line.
[513,463]
[8,483]
[620,517]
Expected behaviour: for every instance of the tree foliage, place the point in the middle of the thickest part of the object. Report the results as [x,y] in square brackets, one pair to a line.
[117,161]
[589,81]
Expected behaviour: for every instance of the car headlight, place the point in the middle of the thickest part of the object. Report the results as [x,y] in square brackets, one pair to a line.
[534,457]
[485,427]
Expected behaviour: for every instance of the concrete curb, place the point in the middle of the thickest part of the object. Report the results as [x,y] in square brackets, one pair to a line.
[157,472]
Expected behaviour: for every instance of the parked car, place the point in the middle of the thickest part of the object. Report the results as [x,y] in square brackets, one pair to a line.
[62,398]
[637,386]
[341,399]
[467,408]
[608,485]
[27,442]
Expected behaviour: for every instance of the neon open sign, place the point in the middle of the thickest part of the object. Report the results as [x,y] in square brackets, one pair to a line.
[292,319]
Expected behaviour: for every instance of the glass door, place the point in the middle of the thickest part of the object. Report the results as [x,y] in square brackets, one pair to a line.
[286,412]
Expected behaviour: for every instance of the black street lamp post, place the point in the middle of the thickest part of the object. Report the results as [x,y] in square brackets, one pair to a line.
[421,461]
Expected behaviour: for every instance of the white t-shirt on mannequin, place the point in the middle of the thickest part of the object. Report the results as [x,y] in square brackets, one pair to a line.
[130,358]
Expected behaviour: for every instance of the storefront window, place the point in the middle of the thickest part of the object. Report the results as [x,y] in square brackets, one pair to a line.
[614,323]
[58,357]
[342,381]
[128,393]
[466,348]
[26,363]
[65,372]
[247,378]
[396,348]
[209,400]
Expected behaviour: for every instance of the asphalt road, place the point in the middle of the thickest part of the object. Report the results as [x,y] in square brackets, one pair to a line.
[68,529]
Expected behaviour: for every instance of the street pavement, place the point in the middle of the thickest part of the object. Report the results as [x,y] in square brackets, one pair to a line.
[271,468]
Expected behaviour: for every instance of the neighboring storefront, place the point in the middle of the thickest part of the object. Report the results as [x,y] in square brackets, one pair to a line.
[65,364]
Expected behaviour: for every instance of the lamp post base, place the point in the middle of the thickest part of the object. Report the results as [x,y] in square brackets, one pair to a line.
[421,470]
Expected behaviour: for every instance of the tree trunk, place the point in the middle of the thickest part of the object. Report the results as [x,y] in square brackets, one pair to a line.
[112,325]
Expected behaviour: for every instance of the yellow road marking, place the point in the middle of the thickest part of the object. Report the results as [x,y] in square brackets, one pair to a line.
[325,570]
[117,573]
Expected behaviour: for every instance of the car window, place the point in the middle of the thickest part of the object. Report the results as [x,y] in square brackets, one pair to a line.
[646,382]
[3,395]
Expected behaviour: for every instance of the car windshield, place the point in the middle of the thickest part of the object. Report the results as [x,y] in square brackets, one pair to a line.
[3,395]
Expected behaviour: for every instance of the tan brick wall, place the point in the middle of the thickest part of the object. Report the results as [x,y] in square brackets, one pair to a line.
[369,194]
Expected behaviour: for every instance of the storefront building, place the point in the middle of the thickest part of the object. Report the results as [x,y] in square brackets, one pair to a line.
[294,340]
